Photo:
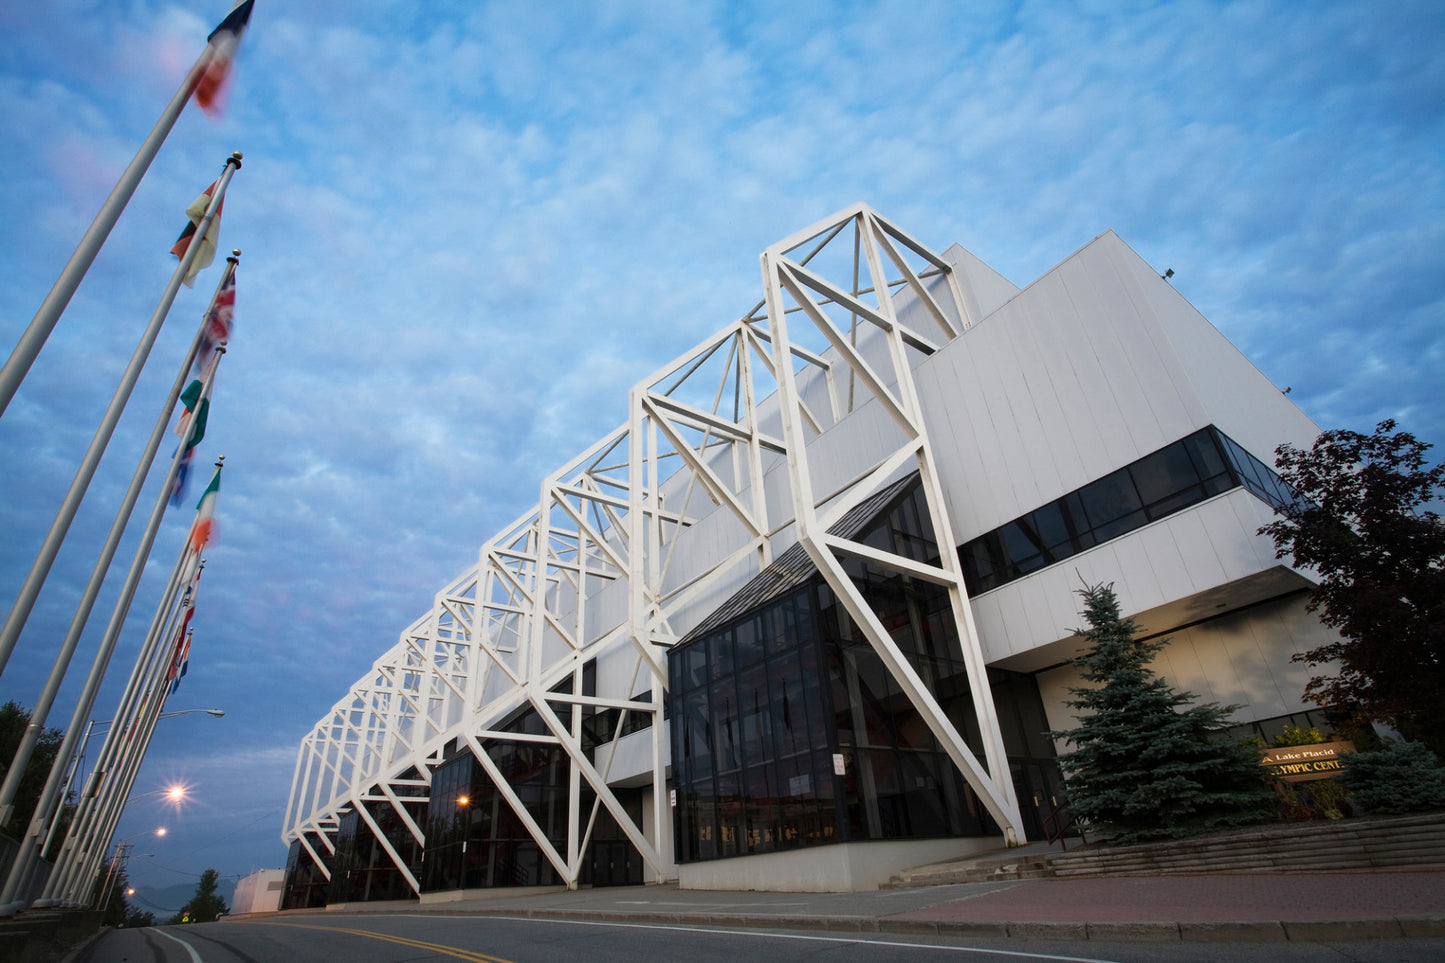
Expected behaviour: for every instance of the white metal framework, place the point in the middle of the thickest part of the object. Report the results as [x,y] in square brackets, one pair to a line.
[725,461]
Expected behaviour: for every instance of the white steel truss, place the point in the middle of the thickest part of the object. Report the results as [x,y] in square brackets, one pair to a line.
[640,537]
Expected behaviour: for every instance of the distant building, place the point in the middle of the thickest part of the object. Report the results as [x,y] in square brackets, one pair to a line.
[259,893]
[803,620]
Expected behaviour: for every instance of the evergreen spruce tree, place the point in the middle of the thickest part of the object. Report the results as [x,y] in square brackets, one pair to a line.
[1145,764]
[206,906]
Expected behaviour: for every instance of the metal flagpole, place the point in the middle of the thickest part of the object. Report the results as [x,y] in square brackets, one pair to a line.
[121,790]
[25,602]
[181,574]
[51,798]
[41,710]
[53,306]
[110,801]
[162,624]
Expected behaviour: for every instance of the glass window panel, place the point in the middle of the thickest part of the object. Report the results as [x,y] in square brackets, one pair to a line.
[922,799]
[1020,540]
[760,807]
[720,653]
[695,662]
[1052,526]
[725,735]
[1164,473]
[978,567]
[780,631]
[788,704]
[1179,500]
[1078,521]
[1110,498]
[754,716]
[1219,483]
[729,815]
[747,643]
[1205,453]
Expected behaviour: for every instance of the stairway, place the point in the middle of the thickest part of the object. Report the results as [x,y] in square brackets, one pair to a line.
[1381,844]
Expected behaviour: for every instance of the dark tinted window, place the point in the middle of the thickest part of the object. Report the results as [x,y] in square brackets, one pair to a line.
[1171,479]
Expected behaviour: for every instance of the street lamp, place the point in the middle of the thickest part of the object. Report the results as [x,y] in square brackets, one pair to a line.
[176,791]
[122,853]
[93,725]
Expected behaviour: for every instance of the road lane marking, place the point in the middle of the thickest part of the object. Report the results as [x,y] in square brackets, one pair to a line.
[195,957]
[470,955]
[781,924]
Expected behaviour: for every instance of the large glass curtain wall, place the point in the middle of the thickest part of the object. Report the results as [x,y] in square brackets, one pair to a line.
[362,869]
[474,838]
[788,730]
[306,886]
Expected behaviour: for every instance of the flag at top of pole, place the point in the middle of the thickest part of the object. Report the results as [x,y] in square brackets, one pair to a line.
[206,80]
[211,80]
[206,249]
[204,526]
[220,316]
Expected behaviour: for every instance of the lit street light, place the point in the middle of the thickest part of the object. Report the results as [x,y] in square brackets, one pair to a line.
[176,792]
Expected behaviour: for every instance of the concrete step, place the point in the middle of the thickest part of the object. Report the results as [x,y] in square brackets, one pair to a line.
[1412,841]
[1408,842]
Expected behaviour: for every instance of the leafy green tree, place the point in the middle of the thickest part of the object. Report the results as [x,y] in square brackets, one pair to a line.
[1143,766]
[206,905]
[1363,524]
[14,718]
[114,902]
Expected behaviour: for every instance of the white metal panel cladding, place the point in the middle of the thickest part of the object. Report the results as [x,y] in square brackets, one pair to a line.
[637,539]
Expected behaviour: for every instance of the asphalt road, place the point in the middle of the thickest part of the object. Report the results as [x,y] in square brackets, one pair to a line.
[338,938]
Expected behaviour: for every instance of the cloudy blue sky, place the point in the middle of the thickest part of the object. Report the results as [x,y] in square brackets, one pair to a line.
[469,227]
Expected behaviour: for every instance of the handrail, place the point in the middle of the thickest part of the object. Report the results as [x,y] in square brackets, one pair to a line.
[1059,822]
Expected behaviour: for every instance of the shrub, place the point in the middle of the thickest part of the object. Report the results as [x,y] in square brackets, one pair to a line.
[1298,736]
[1403,777]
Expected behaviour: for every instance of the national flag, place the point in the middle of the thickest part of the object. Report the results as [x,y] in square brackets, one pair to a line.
[211,82]
[191,426]
[183,473]
[204,526]
[206,253]
[185,660]
[219,317]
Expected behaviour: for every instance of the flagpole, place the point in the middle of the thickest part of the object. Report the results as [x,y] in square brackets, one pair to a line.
[110,799]
[101,812]
[34,337]
[25,602]
[109,813]
[112,766]
[180,574]
[41,709]
[47,809]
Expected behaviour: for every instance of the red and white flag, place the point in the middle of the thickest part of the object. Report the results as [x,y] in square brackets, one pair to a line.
[212,80]
[206,253]
[219,318]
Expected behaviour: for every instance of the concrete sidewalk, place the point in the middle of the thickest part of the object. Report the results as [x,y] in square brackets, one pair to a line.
[1235,907]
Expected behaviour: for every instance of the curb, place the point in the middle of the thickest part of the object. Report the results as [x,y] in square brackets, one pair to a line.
[1254,931]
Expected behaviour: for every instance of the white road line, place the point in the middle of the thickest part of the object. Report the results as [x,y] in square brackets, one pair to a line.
[195,957]
[777,936]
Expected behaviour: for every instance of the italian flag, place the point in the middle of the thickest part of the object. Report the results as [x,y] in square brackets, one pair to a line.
[205,524]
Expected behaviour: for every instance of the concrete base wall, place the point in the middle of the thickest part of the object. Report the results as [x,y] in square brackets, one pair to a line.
[839,868]
[489,892]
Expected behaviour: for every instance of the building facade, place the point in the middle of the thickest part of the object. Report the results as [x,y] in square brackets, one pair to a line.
[804,619]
